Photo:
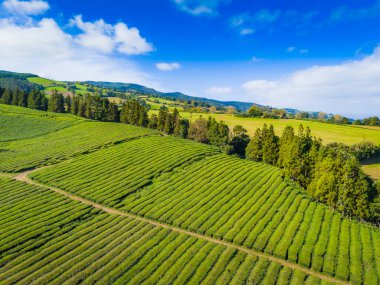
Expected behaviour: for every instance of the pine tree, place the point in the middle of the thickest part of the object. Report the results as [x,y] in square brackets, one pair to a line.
[7,97]
[270,146]
[23,99]
[162,114]
[16,97]
[254,150]
[143,117]
[113,113]
[153,120]
[56,102]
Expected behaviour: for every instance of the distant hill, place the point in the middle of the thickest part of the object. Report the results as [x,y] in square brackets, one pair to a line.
[29,81]
[13,81]
[130,87]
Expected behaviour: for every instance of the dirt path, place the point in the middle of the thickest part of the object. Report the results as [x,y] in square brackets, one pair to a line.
[24,178]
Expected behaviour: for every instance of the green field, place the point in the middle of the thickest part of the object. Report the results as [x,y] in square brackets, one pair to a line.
[328,132]
[372,168]
[65,242]
[239,201]
[42,81]
[121,204]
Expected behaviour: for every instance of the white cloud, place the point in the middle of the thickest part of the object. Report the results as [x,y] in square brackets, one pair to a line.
[44,48]
[303,51]
[165,66]
[290,49]
[351,88]
[256,59]
[200,7]
[246,31]
[33,7]
[219,90]
[106,38]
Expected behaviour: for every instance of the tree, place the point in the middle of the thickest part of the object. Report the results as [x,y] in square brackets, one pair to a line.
[88,104]
[168,126]
[231,110]
[153,120]
[7,97]
[56,102]
[16,97]
[162,114]
[143,117]
[182,128]
[113,113]
[68,103]
[217,133]
[254,150]
[240,140]
[198,130]
[255,111]
[23,99]
[340,183]
[269,146]
[321,116]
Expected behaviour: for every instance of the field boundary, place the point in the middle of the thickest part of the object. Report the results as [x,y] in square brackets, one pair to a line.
[23,177]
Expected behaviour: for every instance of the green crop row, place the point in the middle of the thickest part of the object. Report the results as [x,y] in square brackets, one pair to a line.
[65,143]
[109,249]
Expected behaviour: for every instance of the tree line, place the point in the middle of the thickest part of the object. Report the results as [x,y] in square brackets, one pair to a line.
[34,99]
[330,174]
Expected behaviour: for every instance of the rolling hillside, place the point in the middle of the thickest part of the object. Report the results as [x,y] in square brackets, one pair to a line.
[122,204]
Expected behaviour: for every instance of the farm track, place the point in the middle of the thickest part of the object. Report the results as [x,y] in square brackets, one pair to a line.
[23,177]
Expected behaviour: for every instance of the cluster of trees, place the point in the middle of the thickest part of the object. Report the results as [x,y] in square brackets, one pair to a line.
[330,174]
[202,130]
[371,121]
[34,99]
[362,151]
[265,112]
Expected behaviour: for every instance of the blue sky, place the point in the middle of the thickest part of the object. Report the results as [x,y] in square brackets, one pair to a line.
[312,55]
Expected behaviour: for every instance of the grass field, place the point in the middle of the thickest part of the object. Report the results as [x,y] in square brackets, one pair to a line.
[372,168]
[187,214]
[42,81]
[328,132]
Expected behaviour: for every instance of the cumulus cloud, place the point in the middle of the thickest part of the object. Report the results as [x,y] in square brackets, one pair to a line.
[219,90]
[200,7]
[31,8]
[165,66]
[351,88]
[42,47]
[106,38]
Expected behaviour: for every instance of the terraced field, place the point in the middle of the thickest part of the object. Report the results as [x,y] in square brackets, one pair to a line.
[242,202]
[109,175]
[20,126]
[57,146]
[83,246]
[164,210]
